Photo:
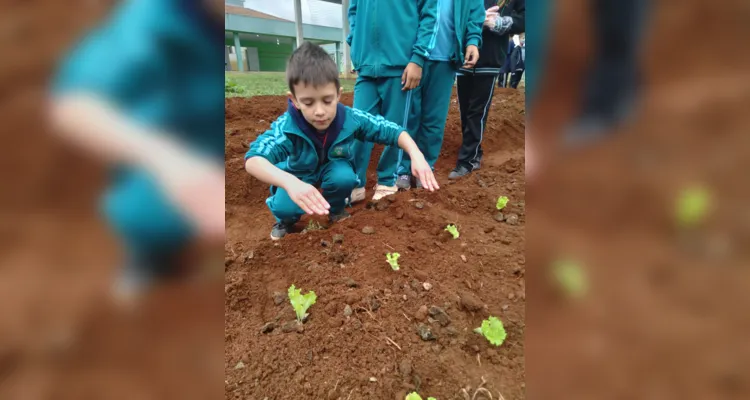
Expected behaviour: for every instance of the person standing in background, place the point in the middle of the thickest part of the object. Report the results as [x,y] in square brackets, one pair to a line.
[458,41]
[517,58]
[476,85]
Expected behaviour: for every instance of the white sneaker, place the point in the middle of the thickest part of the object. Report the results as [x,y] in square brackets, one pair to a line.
[382,191]
[358,194]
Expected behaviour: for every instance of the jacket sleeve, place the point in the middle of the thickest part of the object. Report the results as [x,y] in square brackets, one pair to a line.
[351,16]
[427,31]
[273,145]
[475,24]
[513,21]
[375,128]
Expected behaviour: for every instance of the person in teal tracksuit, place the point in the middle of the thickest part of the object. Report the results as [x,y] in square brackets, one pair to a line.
[312,145]
[143,91]
[459,28]
[390,42]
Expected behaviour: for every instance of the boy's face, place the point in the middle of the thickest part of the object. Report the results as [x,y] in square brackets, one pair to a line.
[317,103]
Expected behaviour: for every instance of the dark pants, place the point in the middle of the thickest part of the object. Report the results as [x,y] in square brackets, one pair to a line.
[613,78]
[474,99]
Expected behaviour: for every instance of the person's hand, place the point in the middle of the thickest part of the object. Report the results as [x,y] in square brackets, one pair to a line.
[196,187]
[472,56]
[421,169]
[307,197]
[411,77]
[490,15]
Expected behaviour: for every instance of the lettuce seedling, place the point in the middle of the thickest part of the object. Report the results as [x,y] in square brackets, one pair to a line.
[416,396]
[453,231]
[392,259]
[692,206]
[502,201]
[301,302]
[493,330]
[571,277]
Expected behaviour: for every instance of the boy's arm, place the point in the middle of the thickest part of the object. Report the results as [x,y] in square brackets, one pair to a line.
[475,23]
[512,24]
[426,32]
[351,17]
[377,129]
[271,148]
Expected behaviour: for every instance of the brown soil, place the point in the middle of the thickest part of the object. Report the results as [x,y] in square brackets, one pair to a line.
[336,356]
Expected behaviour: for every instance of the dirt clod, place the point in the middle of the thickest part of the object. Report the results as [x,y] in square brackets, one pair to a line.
[470,302]
[421,314]
[427,286]
[425,333]
[419,205]
[279,297]
[511,219]
[499,217]
[347,310]
[382,205]
[268,328]
[290,326]
[405,368]
[399,214]
[351,283]
[439,315]
[338,239]
[368,230]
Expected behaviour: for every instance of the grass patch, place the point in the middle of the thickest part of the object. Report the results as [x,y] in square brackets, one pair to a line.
[249,84]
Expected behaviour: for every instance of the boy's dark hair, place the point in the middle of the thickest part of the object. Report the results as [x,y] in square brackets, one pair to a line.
[311,65]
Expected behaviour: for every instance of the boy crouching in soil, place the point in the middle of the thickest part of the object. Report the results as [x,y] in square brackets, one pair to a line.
[310,146]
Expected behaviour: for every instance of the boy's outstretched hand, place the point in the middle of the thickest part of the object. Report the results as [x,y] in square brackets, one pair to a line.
[421,169]
[307,197]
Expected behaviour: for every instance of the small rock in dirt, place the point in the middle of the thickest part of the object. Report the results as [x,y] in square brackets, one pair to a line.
[300,328]
[489,229]
[511,296]
[421,314]
[499,217]
[414,284]
[388,223]
[505,240]
[451,331]
[427,286]
[419,205]
[463,258]
[382,205]
[475,348]
[505,307]
[368,230]
[351,283]
[338,239]
[268,328]
[425,333]
[399,214]
[348,311]
[374,304]
[325,243]
[470,302]
[373,379]
[405,368]
[240,365]
[511,219]
[439,315]
[290,326]
[337,257]
[410,248]
[436,348]
[279,297]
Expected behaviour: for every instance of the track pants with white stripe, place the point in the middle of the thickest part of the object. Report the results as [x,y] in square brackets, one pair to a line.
[475,93]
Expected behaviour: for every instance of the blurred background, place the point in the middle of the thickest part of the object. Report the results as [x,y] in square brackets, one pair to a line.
[637,235]
[61,337]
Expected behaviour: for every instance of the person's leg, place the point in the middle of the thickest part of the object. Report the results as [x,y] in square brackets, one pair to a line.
[153,232]
[396,108]
[515,79]
[367,99]
[283,208]
[337,181]
[470,153]
[436,101]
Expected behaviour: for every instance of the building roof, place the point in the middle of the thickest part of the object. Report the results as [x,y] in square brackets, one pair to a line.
[250,13]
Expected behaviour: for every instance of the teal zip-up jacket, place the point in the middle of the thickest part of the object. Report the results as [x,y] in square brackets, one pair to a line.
[386,35]
[469,20]
[286,145]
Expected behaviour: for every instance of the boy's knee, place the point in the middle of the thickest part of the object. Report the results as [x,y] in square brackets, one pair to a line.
[341,176]
[283,208]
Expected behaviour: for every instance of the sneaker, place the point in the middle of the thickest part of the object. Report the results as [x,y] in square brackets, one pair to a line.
[338,217]
[358,194]
[280,230]
[382,191]
[403,182]
[459,172]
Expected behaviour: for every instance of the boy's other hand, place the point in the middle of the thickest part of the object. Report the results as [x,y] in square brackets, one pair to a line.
[472,56]
[307,197]
[411,77]
[421,169]
[196,187]
[490,16]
